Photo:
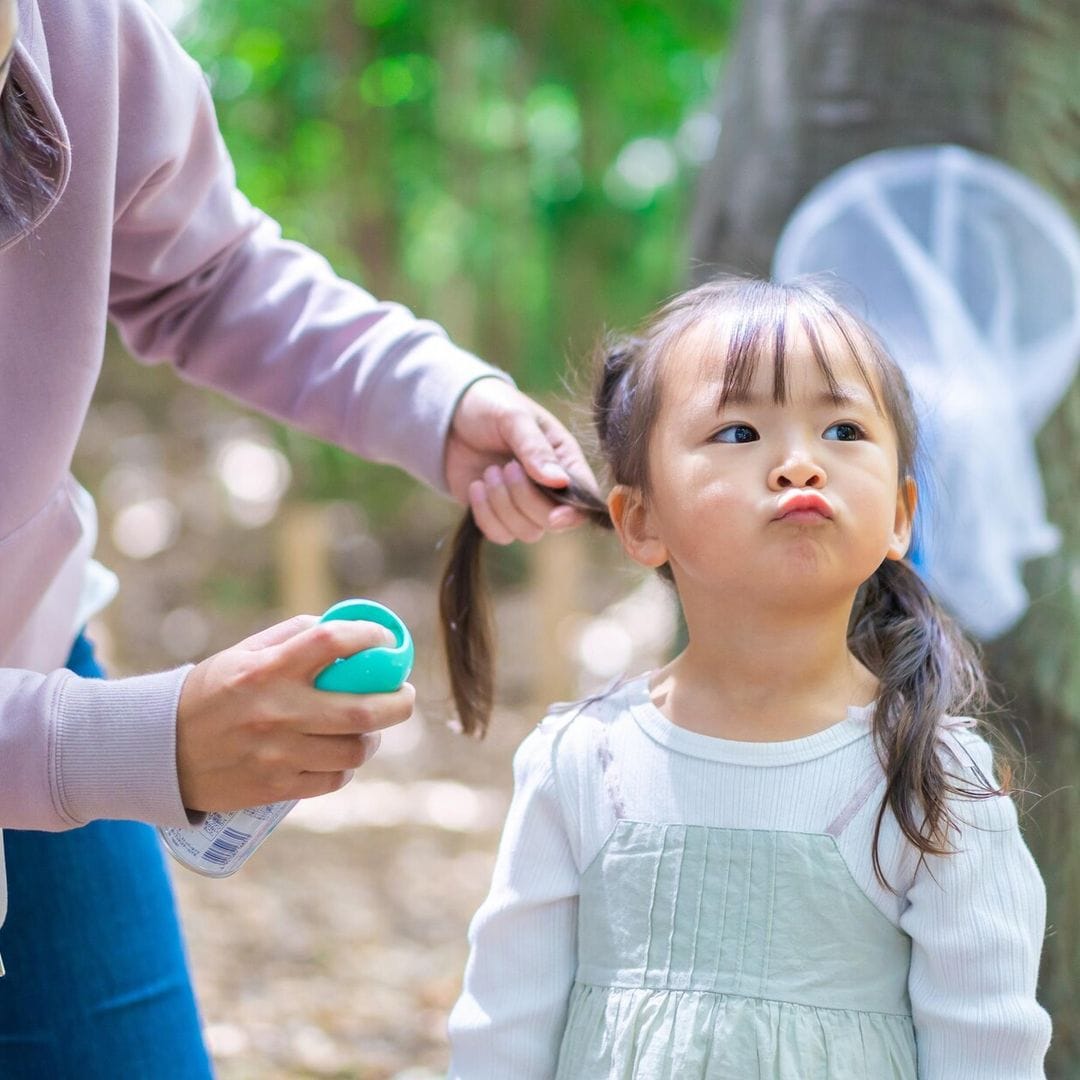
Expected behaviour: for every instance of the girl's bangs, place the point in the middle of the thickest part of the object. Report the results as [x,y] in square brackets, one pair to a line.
[728,348]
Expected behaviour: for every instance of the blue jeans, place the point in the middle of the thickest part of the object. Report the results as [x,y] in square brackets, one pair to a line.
[97,985]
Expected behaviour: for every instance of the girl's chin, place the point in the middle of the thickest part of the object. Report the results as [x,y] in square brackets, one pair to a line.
[792,585]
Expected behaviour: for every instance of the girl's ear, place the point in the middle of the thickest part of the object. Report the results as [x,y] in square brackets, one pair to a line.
[906,500]
[633,522]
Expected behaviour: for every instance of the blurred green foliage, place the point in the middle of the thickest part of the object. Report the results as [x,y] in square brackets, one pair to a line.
[518,172]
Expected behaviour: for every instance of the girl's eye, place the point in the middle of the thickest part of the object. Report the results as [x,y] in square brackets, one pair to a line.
[843,432]
[736,433]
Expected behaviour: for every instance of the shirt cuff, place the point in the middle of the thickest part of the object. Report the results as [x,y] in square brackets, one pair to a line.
[115,749]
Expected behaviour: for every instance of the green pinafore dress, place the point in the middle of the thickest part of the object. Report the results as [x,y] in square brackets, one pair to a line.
[732,954]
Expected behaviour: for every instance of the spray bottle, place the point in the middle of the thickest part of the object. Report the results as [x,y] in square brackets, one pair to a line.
[223,842]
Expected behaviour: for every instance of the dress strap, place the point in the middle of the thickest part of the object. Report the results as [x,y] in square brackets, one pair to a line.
[856,802]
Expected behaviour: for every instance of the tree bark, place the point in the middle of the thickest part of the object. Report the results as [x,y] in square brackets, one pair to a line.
[813,84]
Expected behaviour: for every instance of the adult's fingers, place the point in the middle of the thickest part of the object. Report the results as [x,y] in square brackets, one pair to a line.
[566,449]
[528,500]
[336,753]
[571,459]
[487,521]
[305,654]
[324,712]
[528,441]
[508,506]
[506,490]
[315,782]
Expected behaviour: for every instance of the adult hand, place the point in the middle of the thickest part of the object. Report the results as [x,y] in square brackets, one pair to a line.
[502,445]
[252,729]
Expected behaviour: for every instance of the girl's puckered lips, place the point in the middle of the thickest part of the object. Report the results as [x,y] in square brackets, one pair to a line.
[803,506]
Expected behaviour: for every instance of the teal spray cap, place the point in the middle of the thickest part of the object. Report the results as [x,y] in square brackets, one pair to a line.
[378,670]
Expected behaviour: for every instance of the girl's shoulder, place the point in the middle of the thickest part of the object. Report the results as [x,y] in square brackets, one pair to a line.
[965,751]
[577,722]
[983,795]
[573,738]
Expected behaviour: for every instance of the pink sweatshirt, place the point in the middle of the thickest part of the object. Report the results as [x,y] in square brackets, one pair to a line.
[149,231]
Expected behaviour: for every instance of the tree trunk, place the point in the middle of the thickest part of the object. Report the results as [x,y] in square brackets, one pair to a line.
[814,84]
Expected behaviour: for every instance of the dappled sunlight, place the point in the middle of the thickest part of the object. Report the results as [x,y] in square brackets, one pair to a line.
[145,528]
[256,476]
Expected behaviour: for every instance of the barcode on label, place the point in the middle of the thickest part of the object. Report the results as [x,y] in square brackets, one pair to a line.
[225,846]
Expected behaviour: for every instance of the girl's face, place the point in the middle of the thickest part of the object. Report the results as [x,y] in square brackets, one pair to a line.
[792,501]
[9,25]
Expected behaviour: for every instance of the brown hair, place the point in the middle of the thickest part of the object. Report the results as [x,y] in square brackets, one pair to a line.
[29,158]
[926,667]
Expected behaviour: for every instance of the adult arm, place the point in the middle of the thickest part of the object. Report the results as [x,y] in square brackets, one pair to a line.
[203,280]
[75,749]
[976,920]
[523,940]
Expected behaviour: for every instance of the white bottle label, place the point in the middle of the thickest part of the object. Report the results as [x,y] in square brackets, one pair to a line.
[223,842]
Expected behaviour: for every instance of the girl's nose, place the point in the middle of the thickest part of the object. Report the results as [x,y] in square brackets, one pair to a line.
[797,472]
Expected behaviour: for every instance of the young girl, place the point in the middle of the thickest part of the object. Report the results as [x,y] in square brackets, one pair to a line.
[783,854]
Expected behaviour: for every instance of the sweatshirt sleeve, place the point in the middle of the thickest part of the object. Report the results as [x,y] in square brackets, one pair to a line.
[510,1017]
[73,750]
[976,920]
[201,279]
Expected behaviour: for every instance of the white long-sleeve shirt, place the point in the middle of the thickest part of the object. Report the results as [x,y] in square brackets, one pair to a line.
[976,918]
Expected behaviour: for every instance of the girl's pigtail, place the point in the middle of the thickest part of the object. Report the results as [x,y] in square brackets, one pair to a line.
[465,617]
[927,670]
[464,611]
[465,624]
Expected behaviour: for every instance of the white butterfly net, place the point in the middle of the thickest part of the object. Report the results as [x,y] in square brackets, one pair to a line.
[971,274]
